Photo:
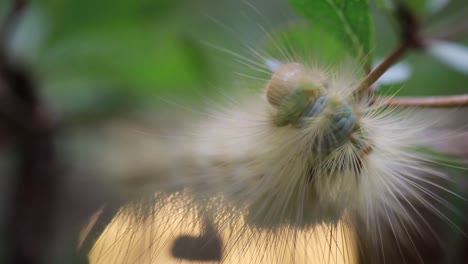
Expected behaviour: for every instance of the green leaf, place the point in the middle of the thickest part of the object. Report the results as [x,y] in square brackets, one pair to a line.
[299,41]
[349,21]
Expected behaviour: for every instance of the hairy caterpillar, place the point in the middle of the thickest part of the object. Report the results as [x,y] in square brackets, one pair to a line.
[305,153]
[274,171]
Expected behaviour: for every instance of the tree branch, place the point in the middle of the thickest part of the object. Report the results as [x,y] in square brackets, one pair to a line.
[410,38]
[429,101]
[378,71]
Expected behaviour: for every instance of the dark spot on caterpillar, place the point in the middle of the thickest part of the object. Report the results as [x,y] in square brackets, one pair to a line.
[364,147]
[357,166]
[311,175]
[206,247]
[202,248]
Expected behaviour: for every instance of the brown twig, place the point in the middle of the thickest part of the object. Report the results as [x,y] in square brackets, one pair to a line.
[410,38]
[378,71]
[429,101]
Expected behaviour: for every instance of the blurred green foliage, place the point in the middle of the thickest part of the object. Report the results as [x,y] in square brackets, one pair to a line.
[110,55]
[130,44]
[107,56]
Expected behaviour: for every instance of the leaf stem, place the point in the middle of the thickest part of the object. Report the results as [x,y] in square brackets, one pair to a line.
[429,101]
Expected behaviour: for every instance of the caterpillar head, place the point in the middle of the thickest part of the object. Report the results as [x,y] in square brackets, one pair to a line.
[290,77]
[301,97]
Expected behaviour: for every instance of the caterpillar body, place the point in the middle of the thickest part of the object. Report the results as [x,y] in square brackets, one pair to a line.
[303,154]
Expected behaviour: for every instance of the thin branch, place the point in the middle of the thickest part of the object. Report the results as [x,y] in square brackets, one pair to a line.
[410,38]
[378,71]
[429,101]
